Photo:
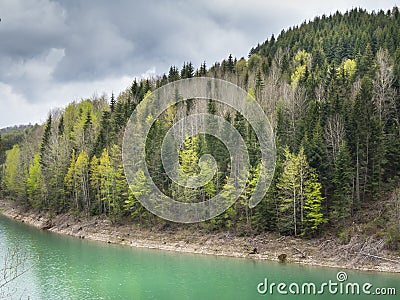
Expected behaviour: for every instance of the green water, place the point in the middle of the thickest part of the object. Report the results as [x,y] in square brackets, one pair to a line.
[69,268]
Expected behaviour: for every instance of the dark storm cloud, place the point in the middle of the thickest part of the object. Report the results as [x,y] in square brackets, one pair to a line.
[109,38]
[51,46]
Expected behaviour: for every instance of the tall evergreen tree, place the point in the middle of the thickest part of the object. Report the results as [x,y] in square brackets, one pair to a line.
[112,102]
[343,180]
[45,139]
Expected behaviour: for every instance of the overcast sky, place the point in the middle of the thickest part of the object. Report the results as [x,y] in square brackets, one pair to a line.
[53,52]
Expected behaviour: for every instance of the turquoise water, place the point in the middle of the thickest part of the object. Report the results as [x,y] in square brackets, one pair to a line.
[69,268]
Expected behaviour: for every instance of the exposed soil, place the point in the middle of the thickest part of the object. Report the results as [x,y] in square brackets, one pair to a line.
[358,253]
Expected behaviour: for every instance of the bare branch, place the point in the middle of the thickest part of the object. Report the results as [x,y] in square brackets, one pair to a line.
[14,266]
[334,134]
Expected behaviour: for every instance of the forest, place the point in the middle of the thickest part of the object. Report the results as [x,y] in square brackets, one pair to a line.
[330,89]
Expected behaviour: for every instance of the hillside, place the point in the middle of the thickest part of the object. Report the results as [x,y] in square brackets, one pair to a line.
[330,89]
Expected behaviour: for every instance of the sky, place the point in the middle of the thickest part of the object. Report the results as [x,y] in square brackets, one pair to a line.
[55,52]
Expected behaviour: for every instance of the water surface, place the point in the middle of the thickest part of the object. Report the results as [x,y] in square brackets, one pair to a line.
[64,267]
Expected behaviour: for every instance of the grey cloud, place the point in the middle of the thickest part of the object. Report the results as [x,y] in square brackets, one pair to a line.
[49,44]
[30,27]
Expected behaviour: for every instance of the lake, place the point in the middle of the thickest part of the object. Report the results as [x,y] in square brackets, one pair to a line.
[63,267]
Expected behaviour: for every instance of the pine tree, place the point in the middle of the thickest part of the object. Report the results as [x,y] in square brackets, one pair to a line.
[61,127]
[259,85]
[112,103]
[105,136]
[203,70]
[343,182]
[173,74]
[187,70]
[230,65]
[45,140]
[366,64]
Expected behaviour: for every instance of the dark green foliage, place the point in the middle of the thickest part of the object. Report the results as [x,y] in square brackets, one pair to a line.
[105,135]
[187,70]
[203,70]
[343,180]
[173,74]
[45,139]
[112,102]
[2,151]
[61,126]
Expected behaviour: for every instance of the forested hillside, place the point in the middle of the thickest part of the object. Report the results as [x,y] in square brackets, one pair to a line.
[330,89]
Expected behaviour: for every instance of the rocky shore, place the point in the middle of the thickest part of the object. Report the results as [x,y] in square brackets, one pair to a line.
[359,253]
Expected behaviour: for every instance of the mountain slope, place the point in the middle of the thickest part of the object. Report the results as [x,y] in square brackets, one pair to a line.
[329,88]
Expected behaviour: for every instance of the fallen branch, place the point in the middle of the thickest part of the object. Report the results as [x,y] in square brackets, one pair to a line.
[303,255]
[379,257]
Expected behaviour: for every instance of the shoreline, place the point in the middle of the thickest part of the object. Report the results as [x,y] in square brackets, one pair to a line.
[320,252]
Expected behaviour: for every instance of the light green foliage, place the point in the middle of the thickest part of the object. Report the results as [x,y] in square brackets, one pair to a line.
[288,198]
[138,189]
[113,187]
[251,94]
[299,196]
[298,74]
[119,185]
[35,186]
[70,179]
[77,180]
[188,159]
[224,220]
[313,216]
[95,177]
[82,180]
[13,179]
[254,62]
[106,179]
[347,69]
[301,60]
[241,67]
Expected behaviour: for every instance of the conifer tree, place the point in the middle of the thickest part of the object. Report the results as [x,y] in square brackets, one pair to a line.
[343,180]
[45,139]
[112,102]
